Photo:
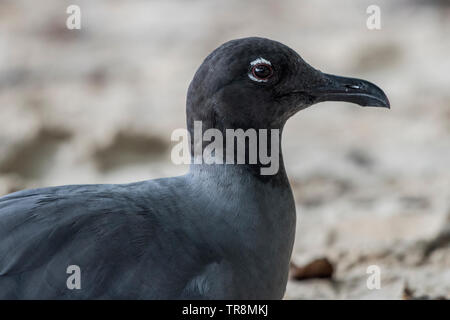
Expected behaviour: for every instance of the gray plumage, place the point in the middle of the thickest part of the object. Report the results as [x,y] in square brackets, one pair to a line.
[218,232]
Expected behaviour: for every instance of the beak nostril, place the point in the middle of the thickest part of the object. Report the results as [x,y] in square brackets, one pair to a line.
[353,86]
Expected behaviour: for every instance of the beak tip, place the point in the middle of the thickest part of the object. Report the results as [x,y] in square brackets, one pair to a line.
[377,100]
[380,104]
[386,103]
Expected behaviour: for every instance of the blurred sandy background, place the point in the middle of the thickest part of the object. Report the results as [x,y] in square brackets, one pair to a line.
[98,105]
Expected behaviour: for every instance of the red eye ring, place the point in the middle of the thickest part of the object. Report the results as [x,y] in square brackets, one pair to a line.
[262,71]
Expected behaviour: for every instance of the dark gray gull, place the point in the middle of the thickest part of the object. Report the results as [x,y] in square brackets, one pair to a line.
[219,232]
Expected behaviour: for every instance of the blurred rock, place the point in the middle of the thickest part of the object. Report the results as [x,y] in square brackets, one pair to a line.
[319,268]
[32,158]
[128,148]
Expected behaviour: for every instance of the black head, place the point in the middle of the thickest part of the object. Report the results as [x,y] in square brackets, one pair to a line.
[259,83]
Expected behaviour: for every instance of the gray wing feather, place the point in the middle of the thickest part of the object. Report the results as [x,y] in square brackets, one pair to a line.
[126,246]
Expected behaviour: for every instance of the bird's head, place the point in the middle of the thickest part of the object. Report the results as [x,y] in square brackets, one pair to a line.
[259,83]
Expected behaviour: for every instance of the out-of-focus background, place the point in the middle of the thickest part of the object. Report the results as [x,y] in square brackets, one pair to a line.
[372,186]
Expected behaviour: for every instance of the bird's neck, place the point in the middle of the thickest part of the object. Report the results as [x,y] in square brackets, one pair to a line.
[242,174]
[249,150]
[258,211]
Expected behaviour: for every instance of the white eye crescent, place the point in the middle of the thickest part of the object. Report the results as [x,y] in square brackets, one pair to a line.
[261,70]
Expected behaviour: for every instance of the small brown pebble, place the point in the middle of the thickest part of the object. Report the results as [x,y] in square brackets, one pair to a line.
[319,268]
[407,293]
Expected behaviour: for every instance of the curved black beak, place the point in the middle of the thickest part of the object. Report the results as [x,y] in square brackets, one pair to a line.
[336,88]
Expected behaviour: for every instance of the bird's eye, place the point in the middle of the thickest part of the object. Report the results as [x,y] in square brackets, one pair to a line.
[262,71]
